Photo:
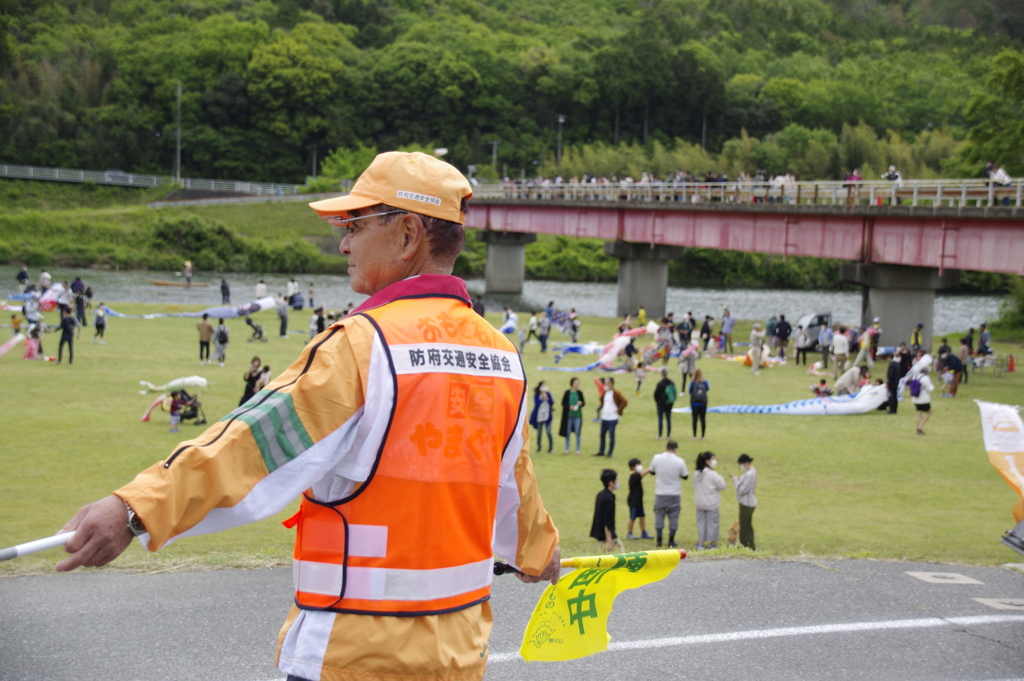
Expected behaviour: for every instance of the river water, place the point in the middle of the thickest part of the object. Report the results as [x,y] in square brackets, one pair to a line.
[952,312]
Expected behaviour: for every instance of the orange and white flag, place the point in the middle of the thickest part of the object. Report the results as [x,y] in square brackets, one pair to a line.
[1003,431]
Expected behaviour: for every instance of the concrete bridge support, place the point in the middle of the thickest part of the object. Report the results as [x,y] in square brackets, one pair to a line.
[643,276]
[506,260]
[902,296]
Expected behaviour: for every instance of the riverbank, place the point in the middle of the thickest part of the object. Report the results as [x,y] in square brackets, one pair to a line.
[85,226]
[953,312]
[858,486]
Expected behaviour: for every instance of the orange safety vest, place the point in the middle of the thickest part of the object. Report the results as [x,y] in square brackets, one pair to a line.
[416,537]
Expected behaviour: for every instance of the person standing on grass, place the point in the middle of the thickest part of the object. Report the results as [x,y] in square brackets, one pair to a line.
[984,338]
[601,385]
[963,354]
[205,336]
[250,377]
[668,469]
[261,290]
[825,344]
[225,292]
[745,485]
[543,329]
[292,290]
[22,278]
[840,351]
[756,343]
[801,340]
[543,414]
[769,332]
[313,321]
[664,399]
[687,362]
[65,299]
[612,406]
[80,303]
[312,306]
[782,332]
[572,414]
[893,374]
[635,500]
[99,322]
[706,329]
[44,281]
[728,324]
[707,488]
[282,314]
[698,402]
[923,399]
[602,528]
[69,331]
[532,327]
[221,337]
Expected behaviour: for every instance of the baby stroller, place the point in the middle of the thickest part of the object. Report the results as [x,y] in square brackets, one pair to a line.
[193,408]
[257,331]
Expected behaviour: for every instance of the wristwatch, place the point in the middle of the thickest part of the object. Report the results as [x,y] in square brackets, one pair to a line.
[135,525]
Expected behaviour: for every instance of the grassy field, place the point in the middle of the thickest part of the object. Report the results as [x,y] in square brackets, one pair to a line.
[864,486]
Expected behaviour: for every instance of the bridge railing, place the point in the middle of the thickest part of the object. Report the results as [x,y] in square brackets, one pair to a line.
[118,178]
[951,193]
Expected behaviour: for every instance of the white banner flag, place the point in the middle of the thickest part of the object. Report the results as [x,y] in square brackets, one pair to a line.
[1003,431]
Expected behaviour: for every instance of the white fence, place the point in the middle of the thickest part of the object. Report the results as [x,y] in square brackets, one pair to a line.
[951,193]
[122,179]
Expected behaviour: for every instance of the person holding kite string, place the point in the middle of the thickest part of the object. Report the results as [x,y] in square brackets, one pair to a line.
[379,593]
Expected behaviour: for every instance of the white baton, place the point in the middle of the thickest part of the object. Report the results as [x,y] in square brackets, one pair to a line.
[37,545]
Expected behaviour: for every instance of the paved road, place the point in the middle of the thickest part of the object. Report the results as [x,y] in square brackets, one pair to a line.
[727,619]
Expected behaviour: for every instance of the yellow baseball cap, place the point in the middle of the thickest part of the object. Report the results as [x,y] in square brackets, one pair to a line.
[413,181]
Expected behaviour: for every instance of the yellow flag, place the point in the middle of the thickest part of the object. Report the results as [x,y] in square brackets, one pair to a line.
[571,619]
[1004,441]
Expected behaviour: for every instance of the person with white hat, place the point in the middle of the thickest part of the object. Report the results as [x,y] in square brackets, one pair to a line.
[413,397]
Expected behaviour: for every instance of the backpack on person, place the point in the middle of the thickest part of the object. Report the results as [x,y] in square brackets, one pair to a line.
[222,336]
[698,394]
[670,393]
[915,387]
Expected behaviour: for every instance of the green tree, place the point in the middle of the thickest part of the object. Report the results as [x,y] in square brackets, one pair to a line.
[998,114]
[292,90]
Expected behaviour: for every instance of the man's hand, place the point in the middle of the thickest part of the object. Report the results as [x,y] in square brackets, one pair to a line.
[101,534]
[550,574]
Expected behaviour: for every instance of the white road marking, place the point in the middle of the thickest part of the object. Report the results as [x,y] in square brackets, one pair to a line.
[753,634]
[944,578]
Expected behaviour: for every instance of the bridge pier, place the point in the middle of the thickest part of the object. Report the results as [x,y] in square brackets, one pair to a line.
[506,260]
[902,296]
[643,276]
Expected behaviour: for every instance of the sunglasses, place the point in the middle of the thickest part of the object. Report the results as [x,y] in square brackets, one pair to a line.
[346,223]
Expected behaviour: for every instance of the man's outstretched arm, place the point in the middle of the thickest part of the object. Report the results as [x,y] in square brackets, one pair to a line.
[246,467]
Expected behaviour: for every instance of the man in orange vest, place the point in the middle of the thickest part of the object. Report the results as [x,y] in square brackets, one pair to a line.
[402,427]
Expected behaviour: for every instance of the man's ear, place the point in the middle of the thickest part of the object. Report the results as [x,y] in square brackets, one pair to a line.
[413,235]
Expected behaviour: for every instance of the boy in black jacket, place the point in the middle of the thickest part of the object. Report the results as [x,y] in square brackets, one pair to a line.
[635,500]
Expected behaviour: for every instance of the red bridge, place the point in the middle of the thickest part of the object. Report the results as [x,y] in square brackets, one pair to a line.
[901,254]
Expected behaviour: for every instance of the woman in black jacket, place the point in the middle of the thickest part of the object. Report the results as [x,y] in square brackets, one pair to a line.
[572,414]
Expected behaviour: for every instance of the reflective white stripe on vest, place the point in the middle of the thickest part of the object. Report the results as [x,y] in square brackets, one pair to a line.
[421,358]
[391,584]
[368,541]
